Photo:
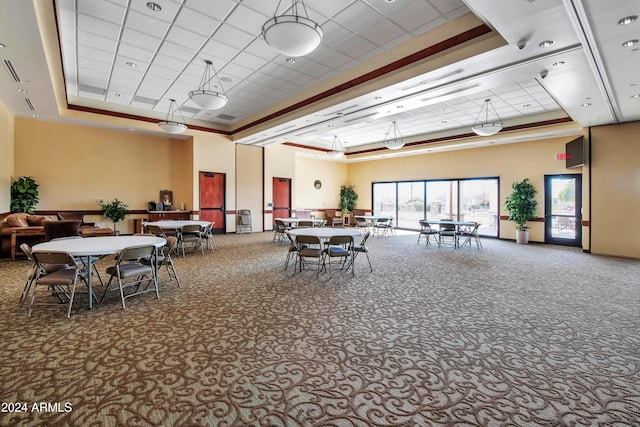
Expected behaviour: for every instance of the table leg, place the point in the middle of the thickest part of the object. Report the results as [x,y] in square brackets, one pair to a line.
[90,262]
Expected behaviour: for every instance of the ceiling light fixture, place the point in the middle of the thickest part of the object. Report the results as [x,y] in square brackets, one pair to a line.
[635,96]
[630,43]
[292,34]
[487,128]
[546,43]
[2,45]
[395,142]
[154,6]
[337,150]
[170,125]
[628,20]
[204,96]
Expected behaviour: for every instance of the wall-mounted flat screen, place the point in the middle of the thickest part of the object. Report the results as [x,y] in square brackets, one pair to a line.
[575,153]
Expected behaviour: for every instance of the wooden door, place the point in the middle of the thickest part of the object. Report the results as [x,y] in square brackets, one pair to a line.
[212,198]
[281,198]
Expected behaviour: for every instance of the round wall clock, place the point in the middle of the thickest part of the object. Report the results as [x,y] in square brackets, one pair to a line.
[317,184]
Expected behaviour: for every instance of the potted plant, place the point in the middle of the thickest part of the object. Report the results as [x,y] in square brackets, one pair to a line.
[521,205]
[24,194]
[115,211]
[348,198]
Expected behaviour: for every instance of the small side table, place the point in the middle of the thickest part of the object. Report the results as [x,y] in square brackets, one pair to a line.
[18,233]
[346,219]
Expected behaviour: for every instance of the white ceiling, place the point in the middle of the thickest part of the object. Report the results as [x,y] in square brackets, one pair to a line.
[99,37]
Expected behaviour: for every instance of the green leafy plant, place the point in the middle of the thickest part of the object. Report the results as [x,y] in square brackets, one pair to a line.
[24,194]
[348,198]
[115,210]
[521,204]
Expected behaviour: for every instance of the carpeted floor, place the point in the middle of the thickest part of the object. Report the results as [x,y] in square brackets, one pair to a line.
[513,335]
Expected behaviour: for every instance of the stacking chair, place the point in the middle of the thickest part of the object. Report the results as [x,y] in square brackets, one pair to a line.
[206,233]
[190,236]
[36,270]
[361,248]
[60,282]
[163,259]
[156,230]
[448,231]
[466,234]
[279,231]
[303,224]
[384,226]
[340,247]
[310,247]
[292,252]
[244,221]
[130,272]
[427,231]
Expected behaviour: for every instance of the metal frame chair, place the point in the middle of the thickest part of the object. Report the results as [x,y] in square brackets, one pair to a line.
[244,221]
[362,248]
[468,233]
[340,247]
[163,259]
[130,272]
[61,282]
[310,247]
[427,231]
[190,234]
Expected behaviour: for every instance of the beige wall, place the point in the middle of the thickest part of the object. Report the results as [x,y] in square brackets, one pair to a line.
[509,162]
[332,174]
[77,165]
[249,184]
[6,157]
[279,162]
[214,153]
[615,181]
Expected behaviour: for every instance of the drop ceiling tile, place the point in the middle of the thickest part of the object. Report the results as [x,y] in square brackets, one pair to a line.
[197,22]
[313,69]
[383,33]
[186,38]
[177,52]
[431,25]
[103,10]
[233,36]
[275,70]
[357,17]
[249,61]
[85,52]
[331,58]
[260,48]
[222,52]
[96,42]
[147,24]
[169,62]
[447,6]
[413,15]
[98,26]
[135,53]
[218,9]
[247,20]
[327,8]
[334,34]
[67,18]
[138,39]
[355,47]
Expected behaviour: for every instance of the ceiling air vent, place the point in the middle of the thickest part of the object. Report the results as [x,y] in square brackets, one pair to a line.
[30,104]
[12,71]
[361,117]
[225,117]
[144,100]
[91,89]
[306,133]
[191,110]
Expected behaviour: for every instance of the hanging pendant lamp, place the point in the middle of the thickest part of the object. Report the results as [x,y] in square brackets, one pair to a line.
[204,96]
[395,142]
[170,125]
[337,150]
[486,127]
[292,34]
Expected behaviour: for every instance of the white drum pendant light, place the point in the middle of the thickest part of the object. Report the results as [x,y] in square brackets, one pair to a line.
[292,34]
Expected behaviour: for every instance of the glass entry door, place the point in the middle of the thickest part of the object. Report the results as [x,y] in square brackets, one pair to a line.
[563,209]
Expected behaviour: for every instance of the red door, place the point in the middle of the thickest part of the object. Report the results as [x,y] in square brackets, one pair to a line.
[281,198]
[212,196]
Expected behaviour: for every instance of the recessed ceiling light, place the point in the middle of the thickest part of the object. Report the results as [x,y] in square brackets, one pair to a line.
[389,1]
[291,60]
[399,106]
[630,43]
[547,43]
[526,106]
[119,95]
[378,97]
[35,116]
[131,64]
[559,63]
[132,130]
[154,6]
[637,95]
[22,90]
[628,20]
[2,45]
[586,104]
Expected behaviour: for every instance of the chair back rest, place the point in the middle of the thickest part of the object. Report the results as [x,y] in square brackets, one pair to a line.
[365,238]
[280,225]
[134,253]
[156,230]
[447,227]
[305,223]
[27,251]
[245,217]
[172,242]
[62,228]
[309,240]
[341,240]
[54,257]
[191,229]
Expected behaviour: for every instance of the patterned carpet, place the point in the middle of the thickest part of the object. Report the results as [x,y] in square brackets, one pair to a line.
[511,335]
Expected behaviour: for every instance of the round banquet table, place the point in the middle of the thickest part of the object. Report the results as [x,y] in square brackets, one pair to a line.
[97,246]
